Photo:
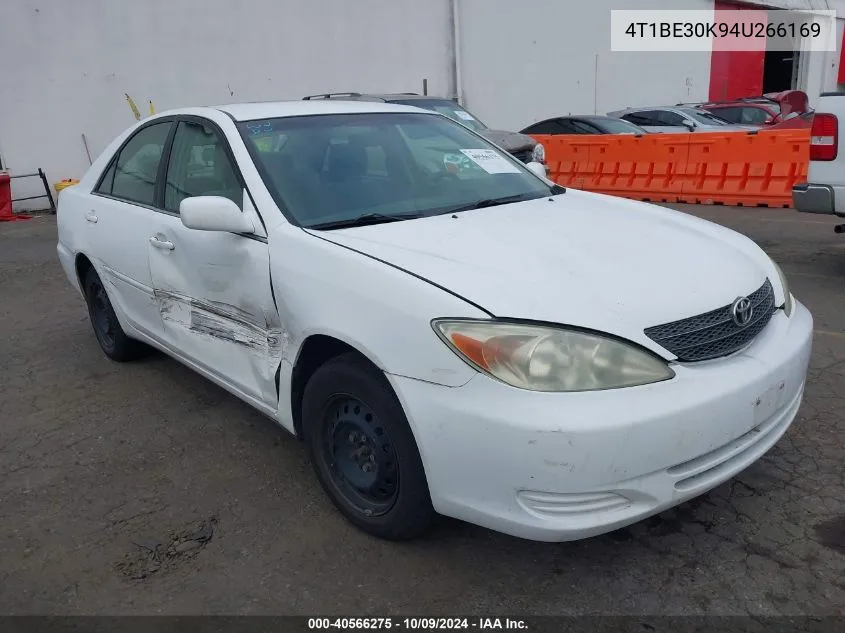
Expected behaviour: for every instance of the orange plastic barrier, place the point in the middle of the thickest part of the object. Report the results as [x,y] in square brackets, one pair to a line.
[756,169]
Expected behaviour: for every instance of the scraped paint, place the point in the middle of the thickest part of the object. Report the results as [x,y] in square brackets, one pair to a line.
[223,321]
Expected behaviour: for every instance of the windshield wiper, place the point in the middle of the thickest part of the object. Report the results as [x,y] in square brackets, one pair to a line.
[365,219]
[490,202]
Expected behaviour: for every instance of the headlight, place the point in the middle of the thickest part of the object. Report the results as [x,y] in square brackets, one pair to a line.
[538,155]
[540,358]
[787,304]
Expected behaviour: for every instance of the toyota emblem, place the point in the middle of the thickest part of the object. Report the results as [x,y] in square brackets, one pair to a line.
[742,311]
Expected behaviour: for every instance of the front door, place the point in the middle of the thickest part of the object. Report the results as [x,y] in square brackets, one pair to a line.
[213,288]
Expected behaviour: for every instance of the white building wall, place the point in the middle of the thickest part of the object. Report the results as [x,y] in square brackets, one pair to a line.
[68,64]
[526,61]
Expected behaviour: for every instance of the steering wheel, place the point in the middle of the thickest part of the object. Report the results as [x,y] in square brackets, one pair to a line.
[443,177]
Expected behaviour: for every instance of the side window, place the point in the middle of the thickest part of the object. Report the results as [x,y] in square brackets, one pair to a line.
[754,115]
[665,117]
[107,182]
[551,126]
[728,114]
[565,126]
[199,166]
[642,118]
[136,167]
[582,127]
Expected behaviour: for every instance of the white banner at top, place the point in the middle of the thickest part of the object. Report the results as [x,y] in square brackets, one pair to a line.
[701,30]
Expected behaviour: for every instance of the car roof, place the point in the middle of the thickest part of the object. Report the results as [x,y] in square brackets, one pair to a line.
[749,103]
[275,109]
[590,117]
[375,96]
[670,108]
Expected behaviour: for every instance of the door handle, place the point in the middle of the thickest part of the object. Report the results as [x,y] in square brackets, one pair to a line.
[162,244]
[91,216]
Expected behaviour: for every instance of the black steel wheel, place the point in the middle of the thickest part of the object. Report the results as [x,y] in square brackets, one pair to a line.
[111,337]
[363,450]
[360,454]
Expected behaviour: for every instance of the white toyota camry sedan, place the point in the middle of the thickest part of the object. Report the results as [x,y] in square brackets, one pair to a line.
[446,330]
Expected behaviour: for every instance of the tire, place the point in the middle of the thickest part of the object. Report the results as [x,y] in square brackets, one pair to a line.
[111,337]
[363,450]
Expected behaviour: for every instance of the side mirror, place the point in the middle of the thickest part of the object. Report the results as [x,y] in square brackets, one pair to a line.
[541,171]
[214,213]
[689,124]
[769,120]
[538,169]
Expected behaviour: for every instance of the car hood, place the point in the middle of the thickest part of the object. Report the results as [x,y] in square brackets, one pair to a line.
[509,141]
[579,259]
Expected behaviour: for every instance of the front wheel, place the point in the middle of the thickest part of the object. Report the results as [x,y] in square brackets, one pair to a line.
[111,337]
[363,450]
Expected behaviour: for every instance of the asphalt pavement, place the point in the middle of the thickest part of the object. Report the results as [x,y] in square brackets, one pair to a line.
[143,488]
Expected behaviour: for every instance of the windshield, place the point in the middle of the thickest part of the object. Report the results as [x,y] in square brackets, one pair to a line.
[703,117]
[331,168]
[446,107]
[617,126]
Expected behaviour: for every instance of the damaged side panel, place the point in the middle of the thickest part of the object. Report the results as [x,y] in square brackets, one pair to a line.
[247,346]
[226,322]
[214,296]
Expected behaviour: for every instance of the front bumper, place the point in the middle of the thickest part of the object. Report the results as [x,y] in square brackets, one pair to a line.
[558,467]
[811,198]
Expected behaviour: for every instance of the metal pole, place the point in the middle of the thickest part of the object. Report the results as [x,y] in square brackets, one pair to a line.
[47,189]
[596,87]
[457,73]
[425,87]
[87,151]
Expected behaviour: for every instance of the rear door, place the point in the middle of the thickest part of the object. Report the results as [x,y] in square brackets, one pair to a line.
[213,288]
[119,220]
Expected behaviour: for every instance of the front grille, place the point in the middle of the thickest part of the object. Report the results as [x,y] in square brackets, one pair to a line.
[714,334]
[525,155]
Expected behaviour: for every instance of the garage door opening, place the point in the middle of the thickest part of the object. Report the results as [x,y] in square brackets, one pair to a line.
[779,71]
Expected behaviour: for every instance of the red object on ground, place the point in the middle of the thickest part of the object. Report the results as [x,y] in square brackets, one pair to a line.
[736,74]
[6,214]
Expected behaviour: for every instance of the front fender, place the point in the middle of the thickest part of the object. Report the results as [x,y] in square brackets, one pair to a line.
[383,312]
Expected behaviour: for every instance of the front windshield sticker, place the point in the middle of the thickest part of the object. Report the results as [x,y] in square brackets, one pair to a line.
[259,127]
[466,116]
[490,161]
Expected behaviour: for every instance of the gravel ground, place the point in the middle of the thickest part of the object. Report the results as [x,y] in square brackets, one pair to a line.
[145,489]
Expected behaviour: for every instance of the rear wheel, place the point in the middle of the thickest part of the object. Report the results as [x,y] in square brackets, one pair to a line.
[111,337]
[363,450]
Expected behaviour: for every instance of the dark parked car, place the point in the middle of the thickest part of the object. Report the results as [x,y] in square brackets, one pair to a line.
[586,124]
[523,147]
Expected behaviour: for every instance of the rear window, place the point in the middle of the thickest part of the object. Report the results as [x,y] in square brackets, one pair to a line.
[448,108]
[617,126]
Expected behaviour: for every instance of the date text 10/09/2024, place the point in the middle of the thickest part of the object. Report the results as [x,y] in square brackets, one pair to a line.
[417,624]
[722,29]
